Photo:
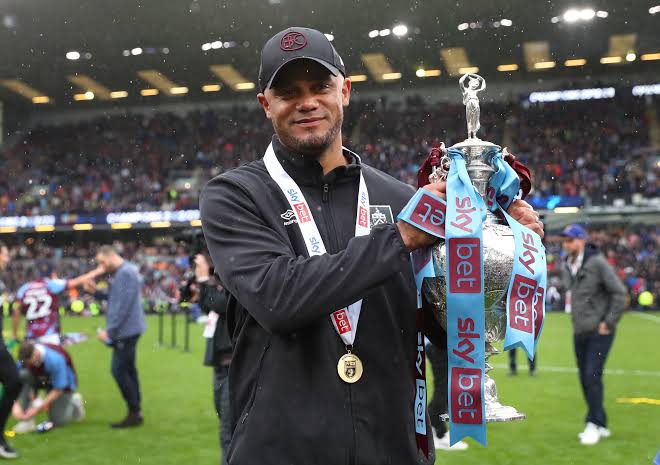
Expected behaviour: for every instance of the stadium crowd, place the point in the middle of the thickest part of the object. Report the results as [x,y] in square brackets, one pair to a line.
[632,251]
[163,267]
[136,162]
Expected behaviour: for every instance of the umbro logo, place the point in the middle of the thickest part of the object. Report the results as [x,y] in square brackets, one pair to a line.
[289,217]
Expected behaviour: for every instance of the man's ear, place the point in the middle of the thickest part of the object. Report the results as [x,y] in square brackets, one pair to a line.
[346,92]
[263,101]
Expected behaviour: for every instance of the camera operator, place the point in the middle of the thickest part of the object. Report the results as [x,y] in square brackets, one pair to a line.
[213,301]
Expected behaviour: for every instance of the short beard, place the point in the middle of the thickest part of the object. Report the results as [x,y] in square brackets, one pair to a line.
[310,147]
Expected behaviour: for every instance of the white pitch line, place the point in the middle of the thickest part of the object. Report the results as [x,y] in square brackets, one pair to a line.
[615,372]
[646,316]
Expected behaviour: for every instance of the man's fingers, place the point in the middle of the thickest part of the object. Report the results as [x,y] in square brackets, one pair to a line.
[438,188]
[521,204]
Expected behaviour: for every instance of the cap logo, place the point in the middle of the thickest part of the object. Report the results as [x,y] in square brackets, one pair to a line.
[293,41]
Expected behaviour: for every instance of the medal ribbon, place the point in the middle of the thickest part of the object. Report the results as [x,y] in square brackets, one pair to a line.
[344,320]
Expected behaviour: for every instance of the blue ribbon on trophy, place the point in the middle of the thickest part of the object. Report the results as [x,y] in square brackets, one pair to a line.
[526,292]
[466,212]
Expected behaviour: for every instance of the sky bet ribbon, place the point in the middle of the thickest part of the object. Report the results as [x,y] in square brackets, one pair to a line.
[425,211]
[466,212]
[525,303]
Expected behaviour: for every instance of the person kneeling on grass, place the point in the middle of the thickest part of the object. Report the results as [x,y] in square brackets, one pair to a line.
[49,367]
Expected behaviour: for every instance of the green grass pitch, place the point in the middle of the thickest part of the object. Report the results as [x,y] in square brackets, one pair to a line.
[181,427]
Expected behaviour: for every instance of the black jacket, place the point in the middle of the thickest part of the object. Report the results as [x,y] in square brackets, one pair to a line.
[291,406]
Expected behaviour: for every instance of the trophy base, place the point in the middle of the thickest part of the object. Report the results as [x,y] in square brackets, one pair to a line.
[496,412]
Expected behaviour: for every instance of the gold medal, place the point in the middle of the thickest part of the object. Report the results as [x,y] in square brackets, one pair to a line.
[350,368]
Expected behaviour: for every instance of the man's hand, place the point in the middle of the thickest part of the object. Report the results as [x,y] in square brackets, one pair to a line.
[202,268]
[102,335]
[603,329]
[414,238]
[30,413]
[524,214]
[89,286]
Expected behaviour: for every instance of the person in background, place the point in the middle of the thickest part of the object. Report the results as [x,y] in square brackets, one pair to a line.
[39,302]
[513,368]
[213,302]
[597,302]
[50,367]
[125,325]
[8,372]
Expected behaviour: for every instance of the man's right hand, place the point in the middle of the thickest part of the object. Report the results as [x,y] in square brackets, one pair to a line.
[202,268]
[89,286]
[414,238]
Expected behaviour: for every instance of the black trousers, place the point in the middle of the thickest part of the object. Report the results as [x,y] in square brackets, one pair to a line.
[125,372]
[222,408]
[591,352]
[438,404]
[11,387]
[512,362]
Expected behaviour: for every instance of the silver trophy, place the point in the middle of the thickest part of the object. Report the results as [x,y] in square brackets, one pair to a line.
[498,248]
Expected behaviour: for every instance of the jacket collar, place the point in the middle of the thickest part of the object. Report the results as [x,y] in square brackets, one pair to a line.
[308,171]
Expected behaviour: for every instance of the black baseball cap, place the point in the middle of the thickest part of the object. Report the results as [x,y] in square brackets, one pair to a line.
[293,44]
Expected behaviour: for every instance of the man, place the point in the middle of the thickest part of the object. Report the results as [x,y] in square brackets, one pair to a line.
[8,372]
[597,301]
[213,302]
[125,323]
[292,394]
[39,302]
[50,367]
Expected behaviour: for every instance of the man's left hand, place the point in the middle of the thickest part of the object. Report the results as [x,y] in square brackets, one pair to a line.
[524,214]
[102,336]
[603,329]
[30,413]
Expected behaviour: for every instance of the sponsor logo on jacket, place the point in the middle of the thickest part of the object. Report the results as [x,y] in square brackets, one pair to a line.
[289,217]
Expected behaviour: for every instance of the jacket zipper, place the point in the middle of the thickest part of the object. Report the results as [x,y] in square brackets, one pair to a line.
[332,233]
[326,189]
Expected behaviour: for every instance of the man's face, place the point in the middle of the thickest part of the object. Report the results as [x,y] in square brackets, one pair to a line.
[306,106]
[572,245]
[105,261]
[4,257]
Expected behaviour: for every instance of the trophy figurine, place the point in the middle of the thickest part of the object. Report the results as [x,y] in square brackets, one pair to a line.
[498,249]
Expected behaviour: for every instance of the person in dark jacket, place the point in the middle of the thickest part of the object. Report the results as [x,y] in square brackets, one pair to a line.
[597,298]
[287,236]
[213,302]
[125,325]
[8,373]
